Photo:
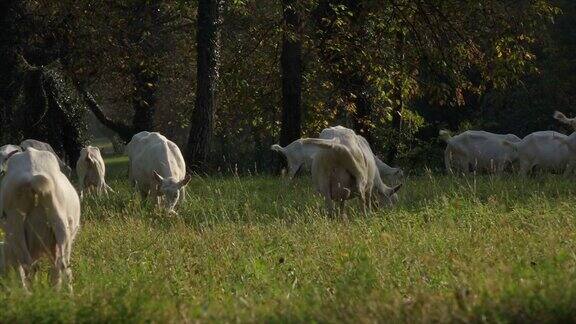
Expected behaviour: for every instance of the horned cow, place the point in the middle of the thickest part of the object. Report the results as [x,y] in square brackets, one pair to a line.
[157,168]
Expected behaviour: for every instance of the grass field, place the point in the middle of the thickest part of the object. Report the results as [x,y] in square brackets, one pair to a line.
[256,249]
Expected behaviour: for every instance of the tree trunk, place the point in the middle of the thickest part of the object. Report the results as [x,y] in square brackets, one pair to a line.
[398,102]
[396,124]
[291,67]
[125,132]
[361,116]
[208,47]
[144,100]
[10,14]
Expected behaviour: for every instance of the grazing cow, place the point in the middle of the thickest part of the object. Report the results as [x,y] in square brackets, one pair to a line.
[40,215]
[478,151]
[41,146]
[387,173]
[545,150]
[344,168]
[157,168]
[298,156]
[563,119]
[133,148]
[91,171]
[5,152]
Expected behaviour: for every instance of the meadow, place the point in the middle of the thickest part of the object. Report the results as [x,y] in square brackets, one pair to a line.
[257,249]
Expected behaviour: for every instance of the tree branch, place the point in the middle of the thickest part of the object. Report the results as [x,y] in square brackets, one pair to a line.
[124,131]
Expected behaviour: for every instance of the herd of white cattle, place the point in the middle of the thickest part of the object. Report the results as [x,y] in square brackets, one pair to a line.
[479,151]
[40,208]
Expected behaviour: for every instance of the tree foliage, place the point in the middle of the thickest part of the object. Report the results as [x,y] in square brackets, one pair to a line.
[395,70]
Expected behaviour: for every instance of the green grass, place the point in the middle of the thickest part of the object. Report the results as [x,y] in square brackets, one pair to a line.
[256,249]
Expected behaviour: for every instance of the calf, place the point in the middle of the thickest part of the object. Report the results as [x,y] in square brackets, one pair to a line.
[158,168]
[91,171]
[40,215]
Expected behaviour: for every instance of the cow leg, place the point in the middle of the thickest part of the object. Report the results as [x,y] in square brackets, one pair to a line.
[144,192]
[369,199]
[11,262]
[131,179]
[56,271]
[81,186]
[569,169]
[363,201]
[329,205]
[23,278]
[342,208]
[67,269]
[525,168]
[62,248]
[16,239]
[61,263]
[447,161]
[183,194]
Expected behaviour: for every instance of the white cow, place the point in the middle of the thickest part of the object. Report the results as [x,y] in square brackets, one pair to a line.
[478,151]
[136,146]
[300,156]
[91,171]
[157,168]
[5,152]
[297,155]
[41,146]
[345,167]
[545,150]
[40,212]
[387,173]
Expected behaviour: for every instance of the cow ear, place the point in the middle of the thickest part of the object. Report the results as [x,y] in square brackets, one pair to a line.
[184,181]
[158,177]
[394,190]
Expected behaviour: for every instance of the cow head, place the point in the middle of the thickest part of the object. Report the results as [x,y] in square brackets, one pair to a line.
[170,189]
[389,196]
